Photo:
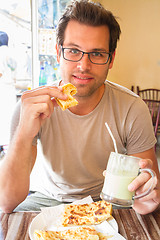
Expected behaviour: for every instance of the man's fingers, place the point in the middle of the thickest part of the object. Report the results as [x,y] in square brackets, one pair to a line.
[139,181]
[44,111]
[143,182]
[154,195]
[51,91]
[146,163]
[42,99]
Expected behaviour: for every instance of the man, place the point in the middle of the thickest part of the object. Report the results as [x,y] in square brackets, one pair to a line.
[75,142]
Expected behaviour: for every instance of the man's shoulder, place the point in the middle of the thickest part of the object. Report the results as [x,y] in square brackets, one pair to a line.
[116,88]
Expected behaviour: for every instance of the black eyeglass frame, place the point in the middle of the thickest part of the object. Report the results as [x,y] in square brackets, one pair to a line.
[109,56]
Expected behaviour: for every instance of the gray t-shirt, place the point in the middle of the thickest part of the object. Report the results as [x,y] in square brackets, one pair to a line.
[75,149]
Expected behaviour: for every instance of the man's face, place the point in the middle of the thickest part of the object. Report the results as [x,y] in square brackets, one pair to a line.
[86,76]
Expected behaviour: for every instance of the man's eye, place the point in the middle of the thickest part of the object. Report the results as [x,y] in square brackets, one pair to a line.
[97,54]
[73,51]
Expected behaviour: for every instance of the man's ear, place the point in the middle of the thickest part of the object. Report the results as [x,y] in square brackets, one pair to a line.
[58,51]
[112,60]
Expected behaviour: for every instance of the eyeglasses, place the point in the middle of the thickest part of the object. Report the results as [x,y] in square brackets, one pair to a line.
[75,55]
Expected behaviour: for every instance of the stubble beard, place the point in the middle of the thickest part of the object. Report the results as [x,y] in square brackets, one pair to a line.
[87,91]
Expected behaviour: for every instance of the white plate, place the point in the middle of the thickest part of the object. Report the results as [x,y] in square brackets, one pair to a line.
[39,224]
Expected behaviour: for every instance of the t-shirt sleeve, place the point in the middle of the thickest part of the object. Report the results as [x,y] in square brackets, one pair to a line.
[139,132]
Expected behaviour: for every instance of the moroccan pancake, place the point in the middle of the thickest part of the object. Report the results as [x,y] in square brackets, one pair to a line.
[70,90]
[86,214]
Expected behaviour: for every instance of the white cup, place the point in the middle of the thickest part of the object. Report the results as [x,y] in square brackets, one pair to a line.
[121,171]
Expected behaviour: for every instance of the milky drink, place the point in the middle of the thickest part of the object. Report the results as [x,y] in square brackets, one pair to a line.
[117,186]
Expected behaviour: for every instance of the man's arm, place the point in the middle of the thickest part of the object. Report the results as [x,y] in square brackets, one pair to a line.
[149,154]
[37,105]
[15,172]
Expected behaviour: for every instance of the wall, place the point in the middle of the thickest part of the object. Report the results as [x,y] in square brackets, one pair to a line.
[138,54]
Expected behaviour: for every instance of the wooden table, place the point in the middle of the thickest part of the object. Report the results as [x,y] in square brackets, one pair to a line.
[131,225]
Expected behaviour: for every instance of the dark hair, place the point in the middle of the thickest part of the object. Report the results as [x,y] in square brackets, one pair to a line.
[89,13]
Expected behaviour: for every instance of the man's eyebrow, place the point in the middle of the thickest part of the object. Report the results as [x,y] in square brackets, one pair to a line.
[72,45]
[99,50]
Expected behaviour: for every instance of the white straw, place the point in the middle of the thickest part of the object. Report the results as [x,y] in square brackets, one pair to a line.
[114,142]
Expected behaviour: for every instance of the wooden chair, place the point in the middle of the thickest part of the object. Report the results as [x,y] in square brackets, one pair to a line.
[149,93]
[132,88]
[151,97]
[154,108]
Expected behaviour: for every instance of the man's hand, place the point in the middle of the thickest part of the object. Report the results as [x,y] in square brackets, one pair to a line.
[150,202]
[38,105]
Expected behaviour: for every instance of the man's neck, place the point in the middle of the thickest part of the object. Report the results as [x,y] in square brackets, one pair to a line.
[88,104]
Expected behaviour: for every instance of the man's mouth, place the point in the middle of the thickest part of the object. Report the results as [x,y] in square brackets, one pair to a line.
[82,78]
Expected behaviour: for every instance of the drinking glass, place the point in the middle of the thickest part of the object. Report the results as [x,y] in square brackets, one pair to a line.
[121,171]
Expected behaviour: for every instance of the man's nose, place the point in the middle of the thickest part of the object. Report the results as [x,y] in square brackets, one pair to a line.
[84,63]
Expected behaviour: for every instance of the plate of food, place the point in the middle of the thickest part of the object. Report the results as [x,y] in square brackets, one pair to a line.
[75,221]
